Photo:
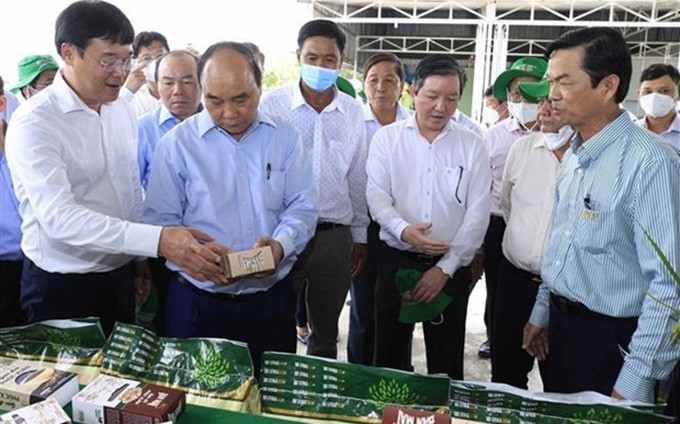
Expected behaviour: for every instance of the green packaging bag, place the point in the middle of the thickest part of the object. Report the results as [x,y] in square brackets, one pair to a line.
[215,373]
[493,402]
[313,389]
[70,345]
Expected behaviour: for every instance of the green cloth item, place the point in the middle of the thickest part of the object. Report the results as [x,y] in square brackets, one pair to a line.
[31,67]
[524,67]
[346,87]
[411,312]
[534,91]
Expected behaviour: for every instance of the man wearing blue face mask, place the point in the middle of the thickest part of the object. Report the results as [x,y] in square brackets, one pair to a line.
[498,141]
[658,96]
[526,202]
[331,125]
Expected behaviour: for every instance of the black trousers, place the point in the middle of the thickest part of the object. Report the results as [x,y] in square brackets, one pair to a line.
[264,320]
[493,252]
[11,314]
[444,338]
[361,338]
[110,296]
[584,350]
[515,297]
[161,276]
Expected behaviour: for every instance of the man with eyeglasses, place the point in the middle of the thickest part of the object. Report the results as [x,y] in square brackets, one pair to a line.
[36,72]
[72,154]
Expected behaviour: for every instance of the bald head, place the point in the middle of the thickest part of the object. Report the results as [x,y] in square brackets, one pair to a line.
[231,81]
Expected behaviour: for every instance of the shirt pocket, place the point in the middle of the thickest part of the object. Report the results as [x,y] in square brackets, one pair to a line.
[456,185]
[275,184]
[593,233]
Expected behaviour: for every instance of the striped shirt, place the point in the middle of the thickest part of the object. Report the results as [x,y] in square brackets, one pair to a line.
[608,191]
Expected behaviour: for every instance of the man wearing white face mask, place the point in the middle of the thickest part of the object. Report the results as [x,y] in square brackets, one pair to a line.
[658,96]
[526,201]
[140,88]
[331,125]
[498,141]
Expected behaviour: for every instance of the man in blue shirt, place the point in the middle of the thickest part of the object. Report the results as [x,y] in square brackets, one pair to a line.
[11,258]
[245,177]
[177,80]
[601,316]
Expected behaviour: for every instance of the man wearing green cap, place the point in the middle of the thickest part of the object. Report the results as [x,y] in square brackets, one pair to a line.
[498,141]
[526,202]
[35,73]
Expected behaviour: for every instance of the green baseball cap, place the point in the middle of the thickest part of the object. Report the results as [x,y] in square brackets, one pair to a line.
[411,312]
[524,67]
[31,67]
[534,91]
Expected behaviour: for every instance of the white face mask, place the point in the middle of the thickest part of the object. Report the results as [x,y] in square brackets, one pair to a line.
[554,141]
[523,112]
[150,71]
[657,105]
[489,116]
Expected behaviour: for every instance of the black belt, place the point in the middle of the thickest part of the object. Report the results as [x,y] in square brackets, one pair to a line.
[224,296]
[322,226]
[577,309]
[421,258]
[497,218]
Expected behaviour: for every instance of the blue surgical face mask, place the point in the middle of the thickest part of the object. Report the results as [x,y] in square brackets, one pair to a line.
[317,78]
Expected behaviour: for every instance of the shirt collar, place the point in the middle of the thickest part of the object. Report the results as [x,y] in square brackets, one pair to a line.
[613,131]
[68,100]
[456,115]
[412,123]
[514,125]
[165,115]
[402,113]
[298,100]
[675,125]
[205,123]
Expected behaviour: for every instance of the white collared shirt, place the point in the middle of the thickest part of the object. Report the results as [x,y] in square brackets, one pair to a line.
[445,182]
[75,175]
[527,200]
[671,135]
[142,102]
[462,119]
[498,141]
[335,139]
[372,123]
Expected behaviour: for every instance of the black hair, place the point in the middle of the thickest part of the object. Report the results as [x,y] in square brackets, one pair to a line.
[659,70]
[174,53]
[2,87]
[385,57]
[488,91]
[605,53]
[323,28]
[436,64]
[241,48]
[146,38]
[84,20]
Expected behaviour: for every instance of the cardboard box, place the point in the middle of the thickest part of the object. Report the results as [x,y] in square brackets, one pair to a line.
[248,262]
[24,383]
[112,400]
[46,412]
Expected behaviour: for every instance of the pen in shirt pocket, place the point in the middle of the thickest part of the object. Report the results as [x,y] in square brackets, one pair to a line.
[268,170]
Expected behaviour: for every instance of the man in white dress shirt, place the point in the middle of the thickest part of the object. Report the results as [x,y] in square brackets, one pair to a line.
[331,125]
[428,188]
[72,154]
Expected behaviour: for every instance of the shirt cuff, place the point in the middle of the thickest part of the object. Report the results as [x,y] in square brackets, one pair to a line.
[540,315]
[142,239]
[633,387]
[449,263]
[358,234]
[287,244]
[398,227]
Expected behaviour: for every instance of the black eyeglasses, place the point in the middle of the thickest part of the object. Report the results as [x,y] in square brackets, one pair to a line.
[110,66]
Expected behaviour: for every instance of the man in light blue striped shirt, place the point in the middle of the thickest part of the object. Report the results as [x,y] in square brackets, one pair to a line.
[595,316]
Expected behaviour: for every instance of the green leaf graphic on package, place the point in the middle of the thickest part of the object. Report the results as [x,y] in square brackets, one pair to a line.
[391,392]
[604,416]
[214,372]
[210,368]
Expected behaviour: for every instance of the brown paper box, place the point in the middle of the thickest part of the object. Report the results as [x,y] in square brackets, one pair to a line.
[247,262]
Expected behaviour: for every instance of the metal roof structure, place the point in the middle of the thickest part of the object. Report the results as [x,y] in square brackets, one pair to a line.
[488,34]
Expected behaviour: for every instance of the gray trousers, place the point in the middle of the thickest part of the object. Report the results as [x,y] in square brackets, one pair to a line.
[325,266]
